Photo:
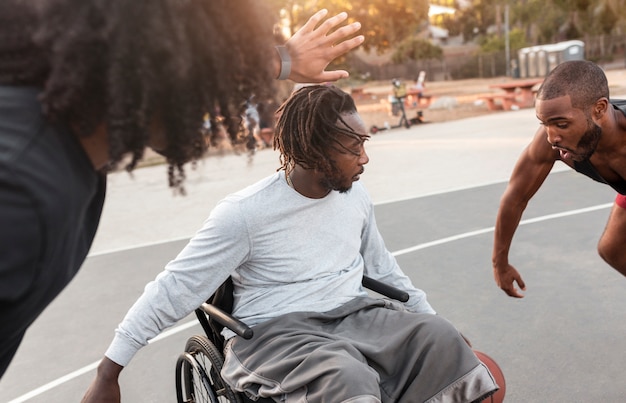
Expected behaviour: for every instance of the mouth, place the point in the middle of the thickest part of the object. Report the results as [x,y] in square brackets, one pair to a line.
[565,153]
[358,176]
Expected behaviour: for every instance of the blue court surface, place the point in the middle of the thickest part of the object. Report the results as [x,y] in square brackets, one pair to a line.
[564,342]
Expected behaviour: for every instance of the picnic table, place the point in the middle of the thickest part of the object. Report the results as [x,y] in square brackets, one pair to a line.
[515,92]
[413,98]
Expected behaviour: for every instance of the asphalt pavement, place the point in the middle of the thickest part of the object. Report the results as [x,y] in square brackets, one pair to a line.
[436,188]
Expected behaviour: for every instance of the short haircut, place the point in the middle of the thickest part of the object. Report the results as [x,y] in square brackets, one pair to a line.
[584,81]
[310,123]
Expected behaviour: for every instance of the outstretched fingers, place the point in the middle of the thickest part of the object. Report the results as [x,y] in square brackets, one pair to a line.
[312,47]
[342,41]
[312,24]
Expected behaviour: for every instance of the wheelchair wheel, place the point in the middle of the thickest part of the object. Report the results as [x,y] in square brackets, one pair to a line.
[198,377]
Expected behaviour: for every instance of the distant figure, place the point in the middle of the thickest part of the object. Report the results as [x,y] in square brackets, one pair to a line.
[252,121]
[418,89]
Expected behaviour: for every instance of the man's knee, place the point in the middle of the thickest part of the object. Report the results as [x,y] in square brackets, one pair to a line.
[440,327]
[613,254]
[613,240]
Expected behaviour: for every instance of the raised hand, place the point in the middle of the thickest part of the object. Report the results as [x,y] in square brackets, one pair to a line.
[312,47]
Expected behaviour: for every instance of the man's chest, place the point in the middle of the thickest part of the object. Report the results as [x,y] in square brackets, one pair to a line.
[609,169]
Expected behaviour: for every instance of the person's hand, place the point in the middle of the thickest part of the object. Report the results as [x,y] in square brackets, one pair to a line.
[506,277]
[312,48]
[105,387]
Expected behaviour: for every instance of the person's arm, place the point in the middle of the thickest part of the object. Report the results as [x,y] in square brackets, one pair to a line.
[312,48]
[531,169]
[381,265]
[198,270]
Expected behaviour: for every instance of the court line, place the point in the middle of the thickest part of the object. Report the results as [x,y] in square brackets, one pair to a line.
[87,368]
[185,326]
[379,203]
[491,229]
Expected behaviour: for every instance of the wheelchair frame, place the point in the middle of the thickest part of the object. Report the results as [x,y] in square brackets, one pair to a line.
[198,368]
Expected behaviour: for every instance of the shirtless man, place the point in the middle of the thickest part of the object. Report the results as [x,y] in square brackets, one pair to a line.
[586,131]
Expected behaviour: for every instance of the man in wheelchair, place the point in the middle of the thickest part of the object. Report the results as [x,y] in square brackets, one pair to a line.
[296,246]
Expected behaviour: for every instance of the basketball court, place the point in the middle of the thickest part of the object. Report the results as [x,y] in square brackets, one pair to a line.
[436,189]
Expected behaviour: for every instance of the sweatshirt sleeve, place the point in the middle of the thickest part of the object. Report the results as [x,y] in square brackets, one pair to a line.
[381,265]
[220,246]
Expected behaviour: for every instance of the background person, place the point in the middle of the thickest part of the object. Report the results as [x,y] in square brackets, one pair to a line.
[84,86]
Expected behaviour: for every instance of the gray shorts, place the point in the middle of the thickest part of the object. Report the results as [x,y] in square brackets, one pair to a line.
[369,350]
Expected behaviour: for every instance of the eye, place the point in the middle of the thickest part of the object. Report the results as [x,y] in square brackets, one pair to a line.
[356,148]
[561,125]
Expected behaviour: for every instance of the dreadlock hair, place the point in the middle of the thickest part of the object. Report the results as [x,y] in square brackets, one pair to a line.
[128,64]
[310,123]
[584,81]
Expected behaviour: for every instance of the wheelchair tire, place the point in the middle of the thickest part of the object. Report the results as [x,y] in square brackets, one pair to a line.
[198,378]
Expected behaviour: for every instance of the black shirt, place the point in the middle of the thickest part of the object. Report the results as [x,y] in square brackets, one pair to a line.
[586,167]
[50,204]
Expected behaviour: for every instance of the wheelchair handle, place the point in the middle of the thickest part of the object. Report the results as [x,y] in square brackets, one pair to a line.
[385,289]
[227,320]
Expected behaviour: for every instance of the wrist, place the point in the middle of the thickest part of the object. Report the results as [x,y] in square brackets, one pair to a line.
[284,64]
[500,264]
[109,370]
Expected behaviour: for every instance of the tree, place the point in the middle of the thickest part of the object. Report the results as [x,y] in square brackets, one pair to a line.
[416,49]
[495,43]
[385,23]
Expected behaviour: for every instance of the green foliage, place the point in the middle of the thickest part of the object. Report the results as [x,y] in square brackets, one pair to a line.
[383,22]
[388,22]
[416,49]
[496,43]
[393,24]
[542,21]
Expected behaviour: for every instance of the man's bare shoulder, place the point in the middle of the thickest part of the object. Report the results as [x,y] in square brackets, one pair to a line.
[620,115]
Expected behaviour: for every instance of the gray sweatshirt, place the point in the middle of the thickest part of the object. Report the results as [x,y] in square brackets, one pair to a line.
[285,253]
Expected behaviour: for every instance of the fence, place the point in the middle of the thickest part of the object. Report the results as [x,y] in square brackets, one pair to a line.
[472,64]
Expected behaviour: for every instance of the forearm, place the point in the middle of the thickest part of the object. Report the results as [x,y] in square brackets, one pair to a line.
[507,221]
[381,265]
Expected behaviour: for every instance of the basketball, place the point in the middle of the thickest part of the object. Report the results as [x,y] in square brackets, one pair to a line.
[495,370]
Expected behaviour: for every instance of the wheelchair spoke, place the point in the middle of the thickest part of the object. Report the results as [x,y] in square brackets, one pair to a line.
[198,378]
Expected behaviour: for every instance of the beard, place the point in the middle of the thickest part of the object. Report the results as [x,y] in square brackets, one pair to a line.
[589,141]
[341,185]
[334,180]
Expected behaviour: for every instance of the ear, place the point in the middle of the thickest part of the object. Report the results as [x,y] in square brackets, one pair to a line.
[600,108]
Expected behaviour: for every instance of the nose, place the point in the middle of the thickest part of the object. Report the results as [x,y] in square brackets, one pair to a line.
[363,158]
[553,137]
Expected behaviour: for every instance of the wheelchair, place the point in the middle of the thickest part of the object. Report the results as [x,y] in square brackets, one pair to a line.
[198,369]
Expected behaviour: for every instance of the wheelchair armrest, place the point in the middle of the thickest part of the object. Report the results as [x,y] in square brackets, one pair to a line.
[227,320]
[241,329]
[385,289]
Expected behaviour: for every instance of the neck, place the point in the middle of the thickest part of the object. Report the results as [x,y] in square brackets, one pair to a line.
[307,183]
[96,147]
